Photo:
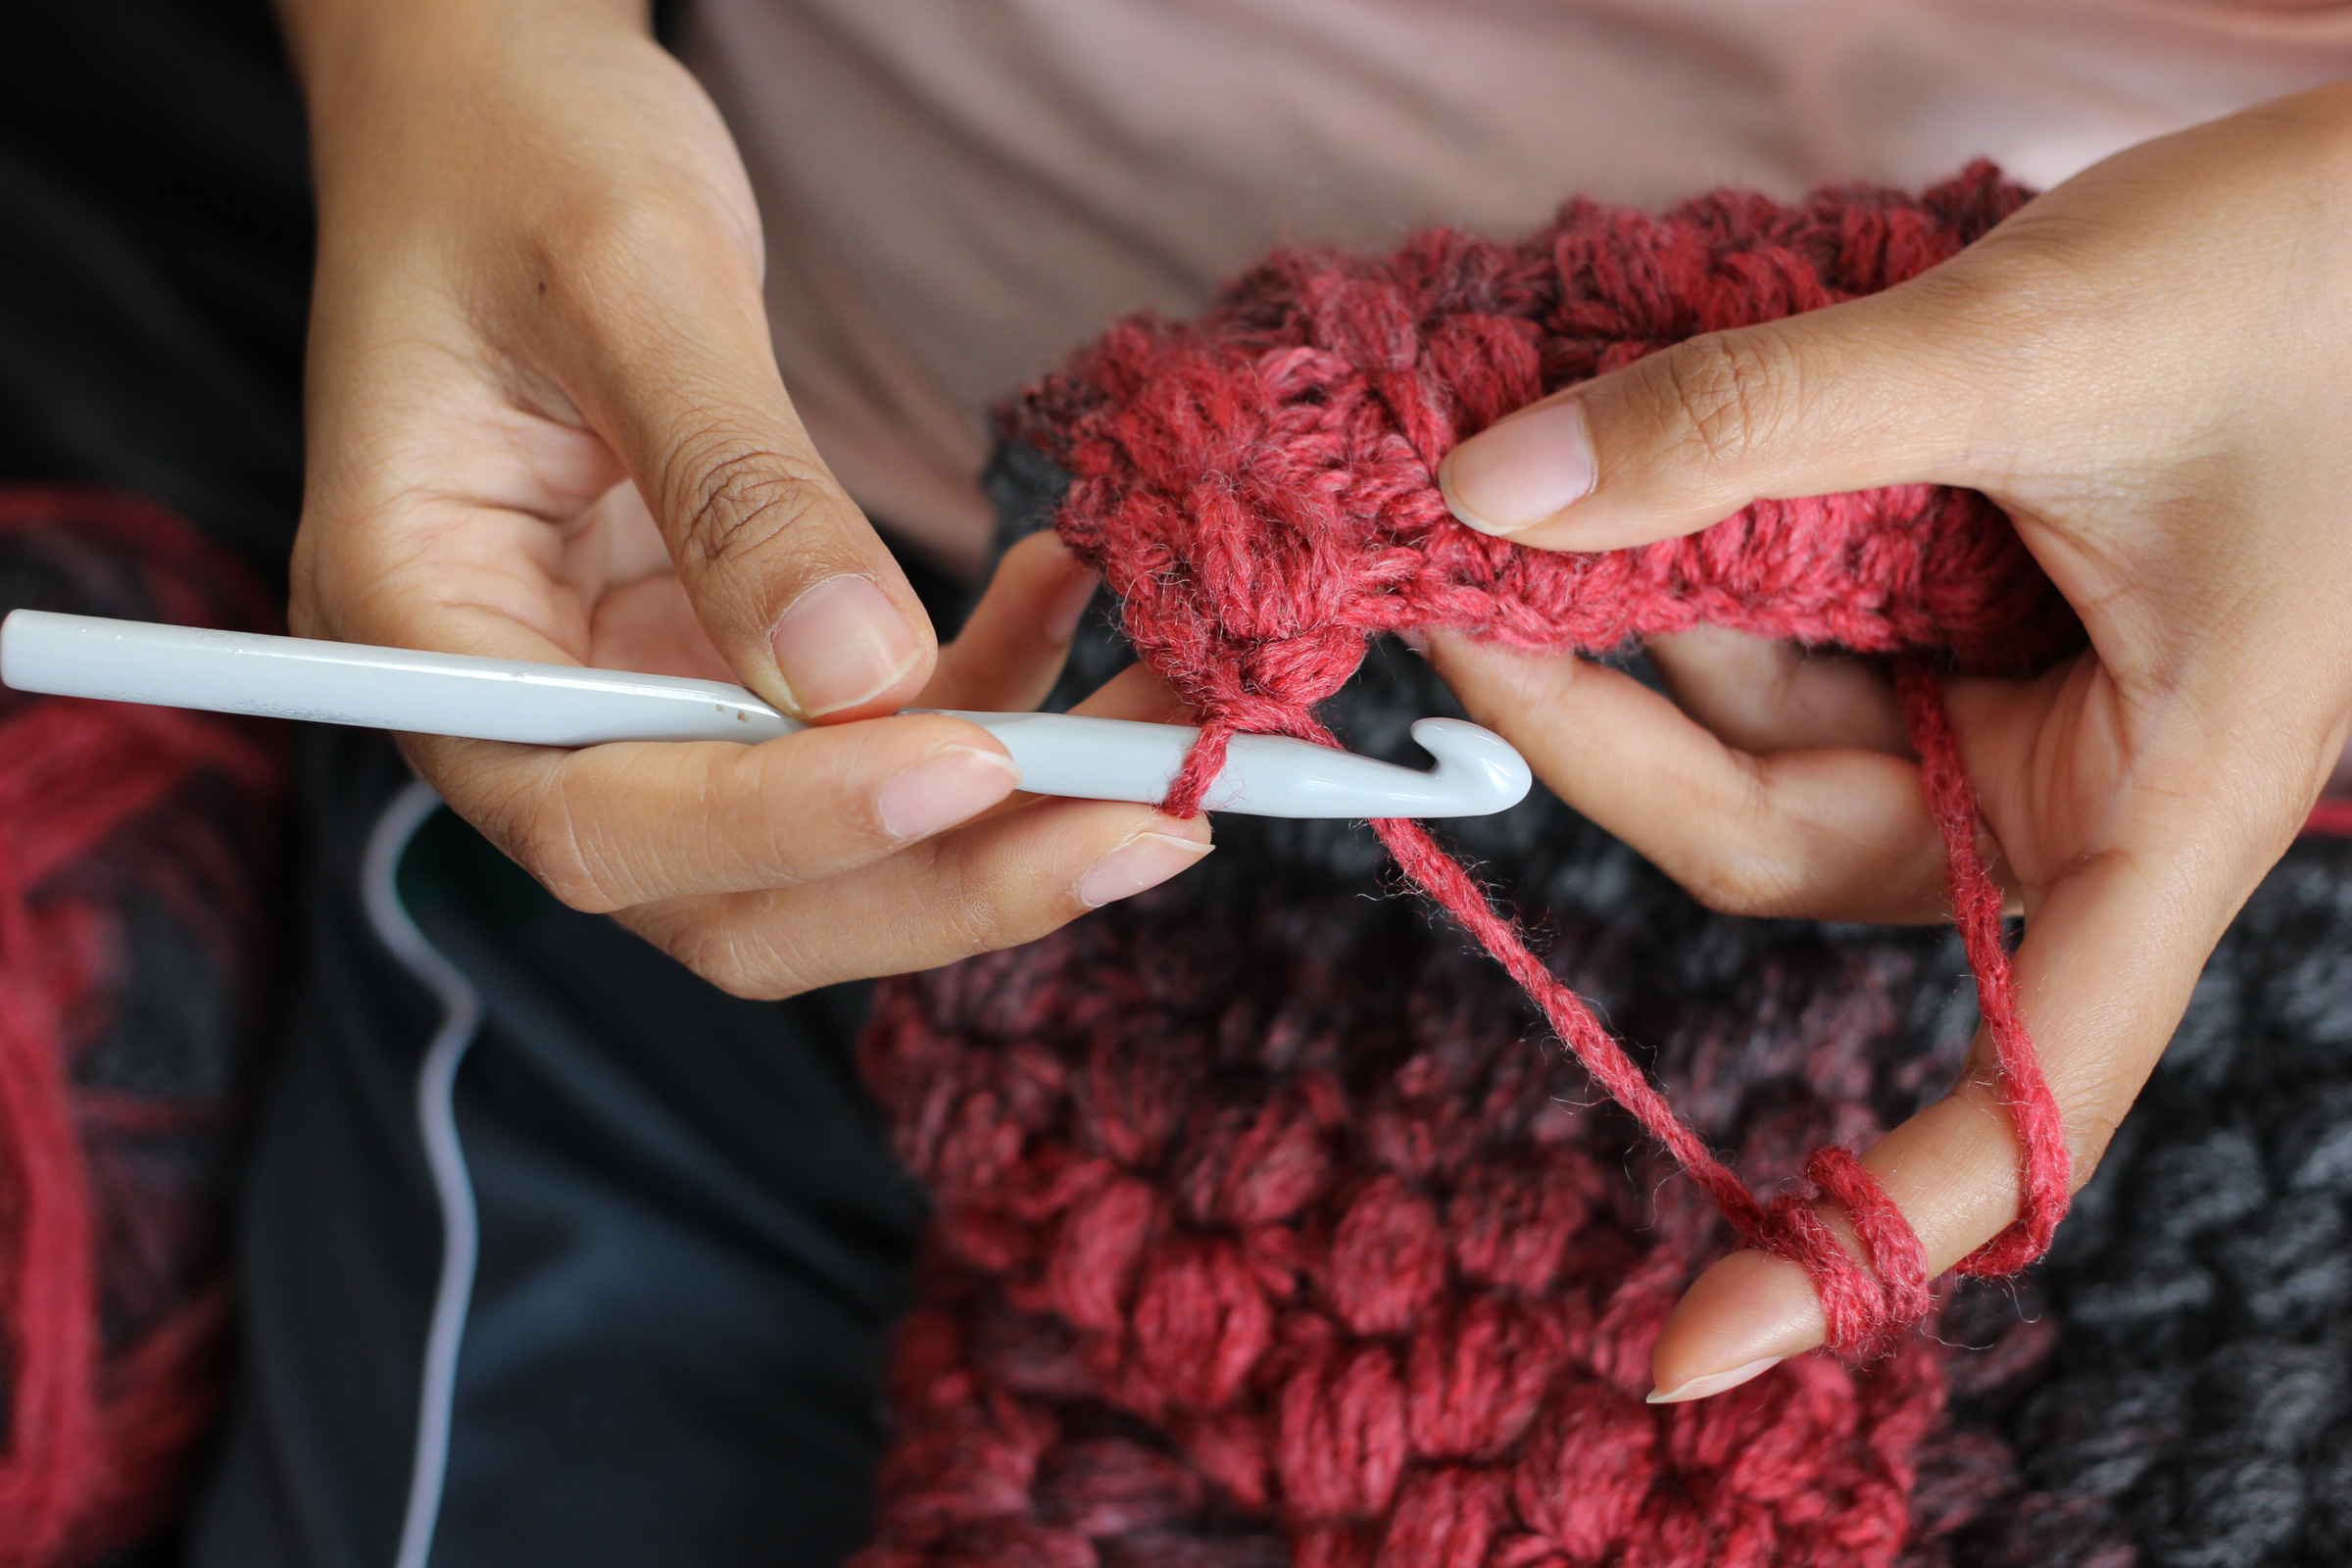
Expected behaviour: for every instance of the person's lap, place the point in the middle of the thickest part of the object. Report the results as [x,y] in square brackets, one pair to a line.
[693,1239]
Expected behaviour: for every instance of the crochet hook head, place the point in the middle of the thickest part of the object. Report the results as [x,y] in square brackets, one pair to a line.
[564,705]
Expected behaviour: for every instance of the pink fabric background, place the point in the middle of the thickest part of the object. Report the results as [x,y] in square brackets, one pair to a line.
[955,192]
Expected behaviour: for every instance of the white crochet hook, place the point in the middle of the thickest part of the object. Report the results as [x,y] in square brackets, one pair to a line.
[1478,771]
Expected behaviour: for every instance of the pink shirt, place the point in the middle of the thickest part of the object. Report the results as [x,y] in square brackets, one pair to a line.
[955,192]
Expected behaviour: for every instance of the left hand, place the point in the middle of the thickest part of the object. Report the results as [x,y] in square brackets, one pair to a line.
[2150,369]
[545,423]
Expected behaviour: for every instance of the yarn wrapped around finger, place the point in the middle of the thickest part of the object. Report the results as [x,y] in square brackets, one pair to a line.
[1258,487]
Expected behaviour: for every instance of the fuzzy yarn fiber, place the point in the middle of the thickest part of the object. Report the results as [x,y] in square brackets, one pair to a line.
[1269,1233]
[138,848]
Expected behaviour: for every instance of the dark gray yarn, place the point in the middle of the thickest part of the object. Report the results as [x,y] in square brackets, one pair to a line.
[2203,1285]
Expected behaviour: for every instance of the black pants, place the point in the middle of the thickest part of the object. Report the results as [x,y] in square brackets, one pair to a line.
[693,1238]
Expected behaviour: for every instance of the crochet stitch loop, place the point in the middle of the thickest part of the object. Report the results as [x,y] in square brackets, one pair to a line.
[1258,487]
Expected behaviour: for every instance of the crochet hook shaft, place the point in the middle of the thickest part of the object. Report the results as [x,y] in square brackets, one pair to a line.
[1478,771]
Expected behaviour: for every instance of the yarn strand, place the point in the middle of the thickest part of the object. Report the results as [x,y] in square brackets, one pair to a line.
[1864,1312]
[2046,1167]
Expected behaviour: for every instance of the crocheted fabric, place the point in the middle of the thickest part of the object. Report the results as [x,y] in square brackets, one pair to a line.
[1268,1229]
[1258,487]
[137,850]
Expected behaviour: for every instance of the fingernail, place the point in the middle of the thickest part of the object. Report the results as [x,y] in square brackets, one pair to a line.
[842,643]
[1063,614]
[1414,638]
[1715,1382]
[1142,861]
[944,790]
[1515,474]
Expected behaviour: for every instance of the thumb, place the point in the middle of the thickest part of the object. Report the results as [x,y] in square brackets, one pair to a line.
[797,590]
[1852,397]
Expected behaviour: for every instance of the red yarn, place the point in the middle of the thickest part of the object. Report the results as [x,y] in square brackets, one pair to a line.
[1977,904]
[1258,487]
[111,1305]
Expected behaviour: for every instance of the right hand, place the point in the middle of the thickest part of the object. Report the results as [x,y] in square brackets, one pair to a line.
[545,423]
[2148,368]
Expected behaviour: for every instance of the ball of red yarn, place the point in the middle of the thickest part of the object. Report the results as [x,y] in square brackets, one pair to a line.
[137,850]
[1259,486]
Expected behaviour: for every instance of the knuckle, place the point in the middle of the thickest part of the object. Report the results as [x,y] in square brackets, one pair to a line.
[738,497]
[989,926]
[2088,1132]
[1726,393]
[723,962]
[780,850]
[569,881]
[976,908]
[547,835]
[1742,885]
[744,955]
[598,249]
[1754,864]
[620,233]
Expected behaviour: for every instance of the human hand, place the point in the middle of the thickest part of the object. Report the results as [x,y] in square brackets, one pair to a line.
[2150,369]
[545,423]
